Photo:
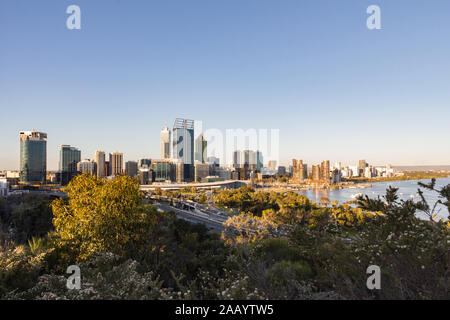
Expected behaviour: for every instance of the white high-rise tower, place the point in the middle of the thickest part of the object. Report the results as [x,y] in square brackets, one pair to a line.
[165,143]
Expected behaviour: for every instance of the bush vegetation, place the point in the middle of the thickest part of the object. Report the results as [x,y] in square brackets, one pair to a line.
[280,246]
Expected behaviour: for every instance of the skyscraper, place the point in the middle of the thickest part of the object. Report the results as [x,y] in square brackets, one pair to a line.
[316,172]
[99,159]
[325,170]
[299,170]
[183,146]
[259,160]
[165,143]
[68,159]
[183,140]
[200,149]
[33,156]
[116,163]
[131,168]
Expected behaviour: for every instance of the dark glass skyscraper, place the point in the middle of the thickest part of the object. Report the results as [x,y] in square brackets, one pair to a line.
[68,159]
[33,156]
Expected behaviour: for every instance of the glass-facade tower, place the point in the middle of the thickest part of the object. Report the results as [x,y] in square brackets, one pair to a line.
[68,159]
[33,156]
[183,140]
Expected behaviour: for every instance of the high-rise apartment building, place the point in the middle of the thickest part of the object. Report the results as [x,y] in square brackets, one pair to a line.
[325,170]
[33,156]
[116,163]
[316,172]
[68,160]
[100,160]
[299,170]
[165,143]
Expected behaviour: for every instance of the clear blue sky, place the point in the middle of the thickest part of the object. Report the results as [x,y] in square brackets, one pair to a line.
[335,89]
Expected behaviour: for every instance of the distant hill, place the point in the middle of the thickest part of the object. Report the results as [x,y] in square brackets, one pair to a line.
[422,168]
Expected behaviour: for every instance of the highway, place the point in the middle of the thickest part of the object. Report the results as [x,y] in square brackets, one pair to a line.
[213,223]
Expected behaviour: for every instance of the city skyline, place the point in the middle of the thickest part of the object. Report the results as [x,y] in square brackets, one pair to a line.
[335,89]
[229,163]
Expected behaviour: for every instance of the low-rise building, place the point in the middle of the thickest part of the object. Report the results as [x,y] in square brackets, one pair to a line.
[87,166]
[201,171]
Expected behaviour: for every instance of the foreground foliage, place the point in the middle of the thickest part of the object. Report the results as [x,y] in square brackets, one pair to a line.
[281,246]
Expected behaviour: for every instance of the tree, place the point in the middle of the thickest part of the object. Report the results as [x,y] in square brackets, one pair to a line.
[105,216]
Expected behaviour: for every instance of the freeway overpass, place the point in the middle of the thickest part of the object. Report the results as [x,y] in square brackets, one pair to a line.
[230,184]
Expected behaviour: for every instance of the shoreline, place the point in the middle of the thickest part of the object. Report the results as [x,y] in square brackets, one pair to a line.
[364,183]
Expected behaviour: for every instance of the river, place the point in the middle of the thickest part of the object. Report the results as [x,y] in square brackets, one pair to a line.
[407,190]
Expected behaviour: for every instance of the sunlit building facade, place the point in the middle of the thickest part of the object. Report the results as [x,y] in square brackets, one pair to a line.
[33,156]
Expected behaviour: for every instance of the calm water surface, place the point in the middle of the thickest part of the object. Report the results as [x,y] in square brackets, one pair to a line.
[407,190]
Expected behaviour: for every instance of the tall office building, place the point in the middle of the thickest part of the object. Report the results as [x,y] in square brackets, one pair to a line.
[183,140]
[325,170]
[316,172]
[100,160]
[165,143]
[33,156]
[68,160]
[299,170]
[116,163]
[131,168]
[200,149]
[259,160]
[183,146]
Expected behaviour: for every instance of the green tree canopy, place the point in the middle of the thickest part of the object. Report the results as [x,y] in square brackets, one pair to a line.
[105,216]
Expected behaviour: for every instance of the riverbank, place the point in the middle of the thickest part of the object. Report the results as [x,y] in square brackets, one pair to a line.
[404,176]
[278,187]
